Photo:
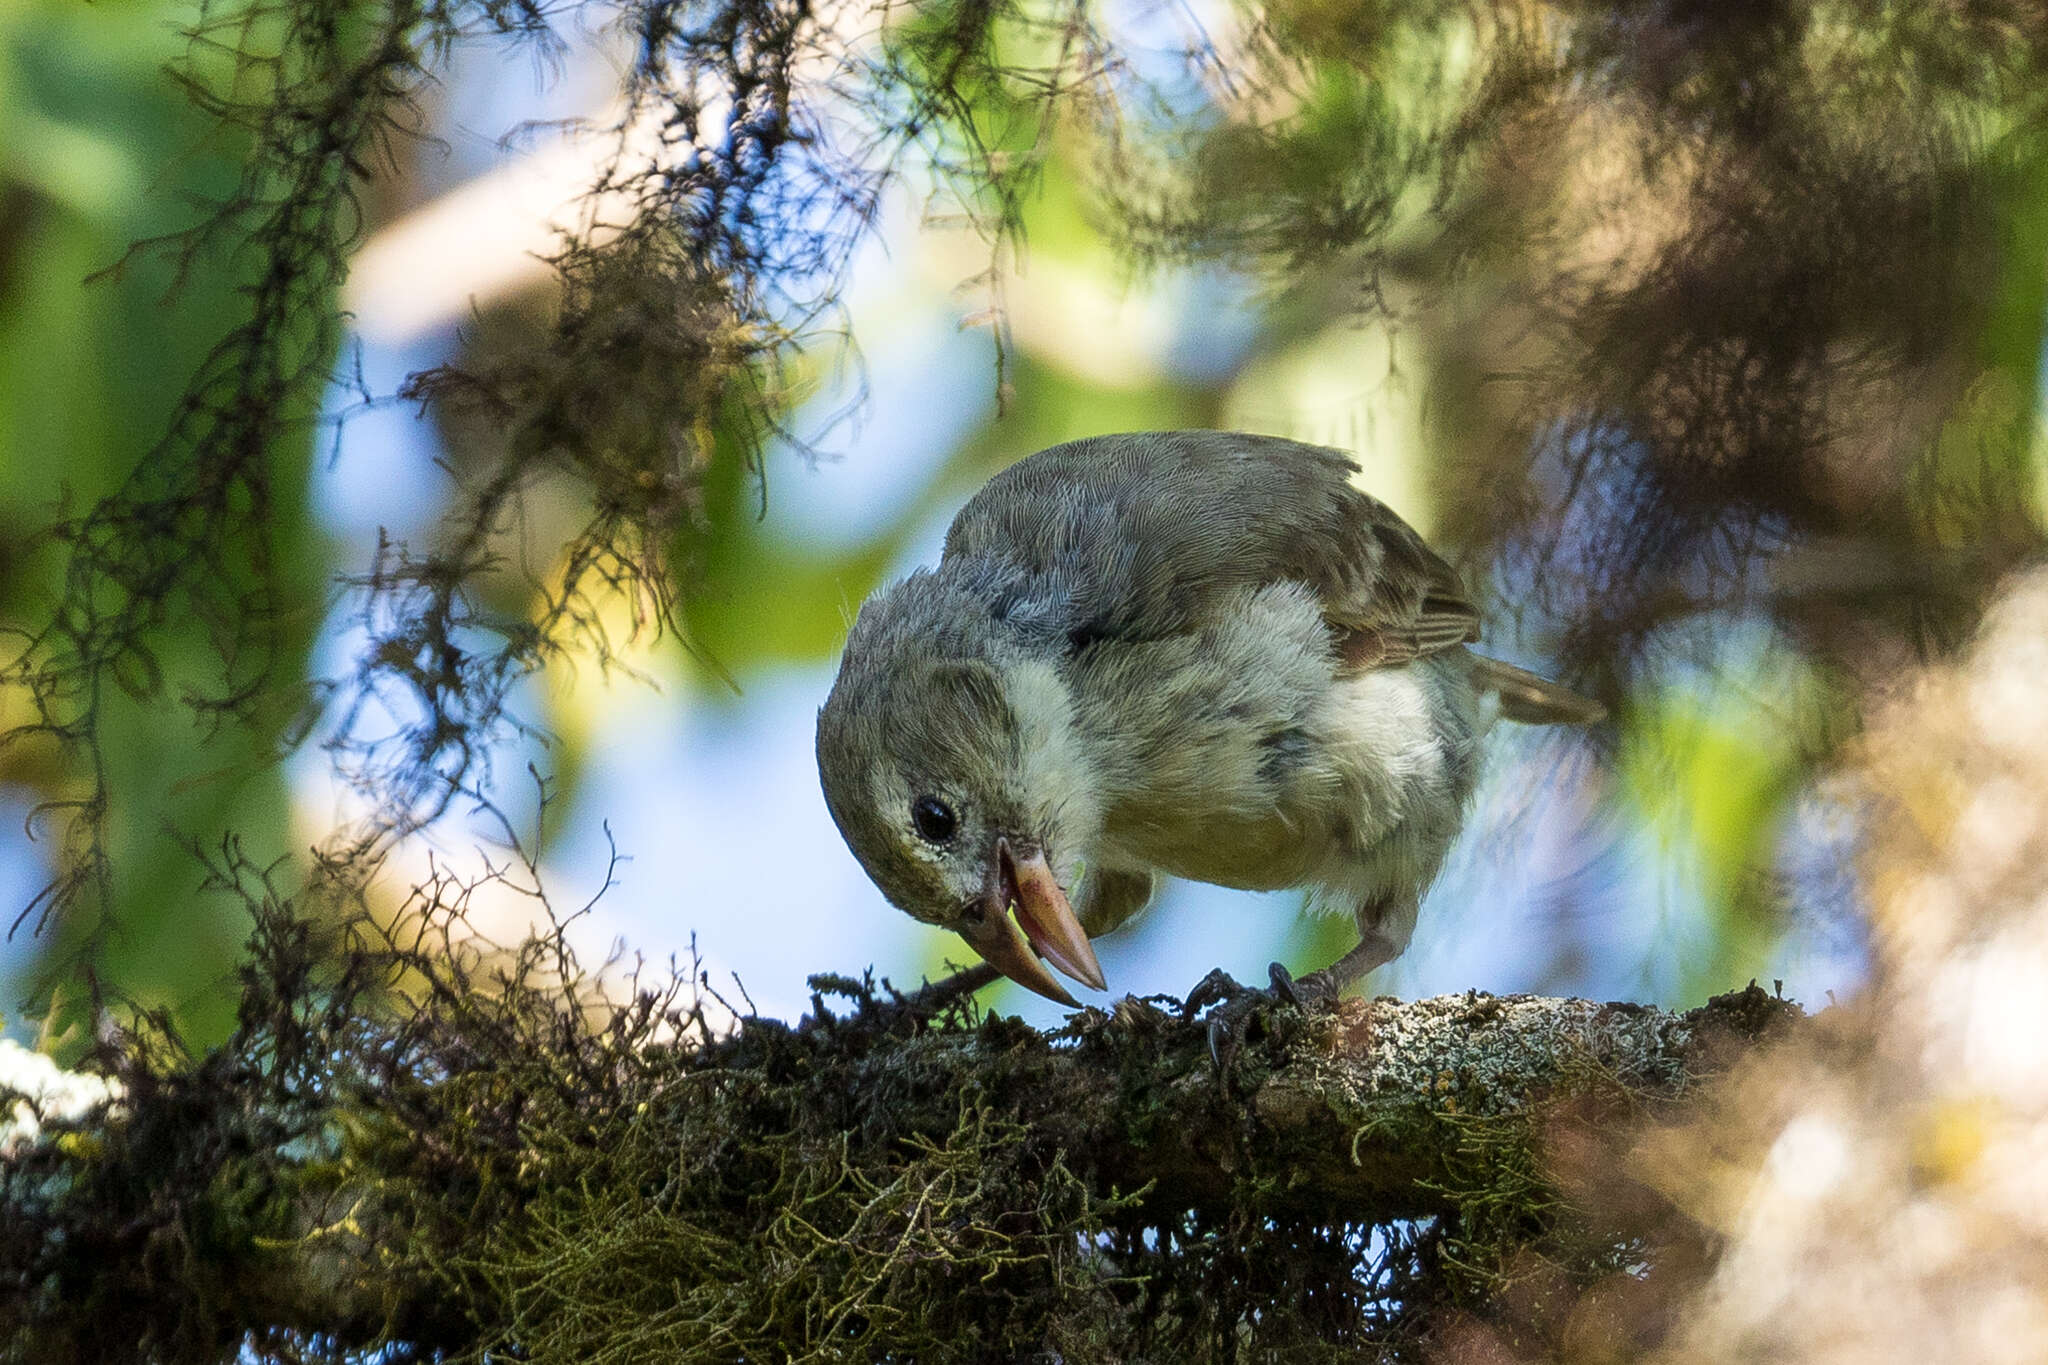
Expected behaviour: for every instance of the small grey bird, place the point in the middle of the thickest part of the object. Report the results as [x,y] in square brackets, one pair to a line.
[1190,652]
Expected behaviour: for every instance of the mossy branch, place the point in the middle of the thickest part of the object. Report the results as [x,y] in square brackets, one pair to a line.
[493,1165]
[1377,1109]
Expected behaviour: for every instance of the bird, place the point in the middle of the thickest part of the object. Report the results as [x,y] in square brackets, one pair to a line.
[1200,654]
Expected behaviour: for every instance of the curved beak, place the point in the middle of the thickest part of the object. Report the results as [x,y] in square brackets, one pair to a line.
[1044,927]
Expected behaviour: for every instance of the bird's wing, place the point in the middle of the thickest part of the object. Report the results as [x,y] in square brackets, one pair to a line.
[1142,535]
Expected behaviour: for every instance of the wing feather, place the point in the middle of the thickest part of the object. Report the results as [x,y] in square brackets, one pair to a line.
[1142,535]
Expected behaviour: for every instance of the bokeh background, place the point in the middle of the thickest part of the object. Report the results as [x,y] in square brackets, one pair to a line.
[1687,851]
[471,337]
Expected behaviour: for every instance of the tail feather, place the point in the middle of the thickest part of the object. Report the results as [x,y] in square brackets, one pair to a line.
[1531,700]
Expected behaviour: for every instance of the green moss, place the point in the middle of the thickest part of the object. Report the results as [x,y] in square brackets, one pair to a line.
[438,1153]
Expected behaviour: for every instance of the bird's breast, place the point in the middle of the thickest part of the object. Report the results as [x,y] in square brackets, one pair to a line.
[1213,745]
[1269,773]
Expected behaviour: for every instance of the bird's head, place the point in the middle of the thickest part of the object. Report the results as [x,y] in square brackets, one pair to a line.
[950,764]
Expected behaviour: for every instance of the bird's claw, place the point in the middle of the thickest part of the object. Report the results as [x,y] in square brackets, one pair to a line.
[1284,986]
[1237,1006]
[1216,987]
[1228,1027]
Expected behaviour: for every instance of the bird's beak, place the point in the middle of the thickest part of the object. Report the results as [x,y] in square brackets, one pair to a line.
[1044,927]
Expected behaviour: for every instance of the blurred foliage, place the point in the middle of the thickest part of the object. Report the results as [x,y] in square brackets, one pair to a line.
[1715,768]
[100,152]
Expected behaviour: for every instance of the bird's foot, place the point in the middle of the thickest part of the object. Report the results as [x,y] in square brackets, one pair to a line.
[1237,1007]
[1317,988]
[1215,988]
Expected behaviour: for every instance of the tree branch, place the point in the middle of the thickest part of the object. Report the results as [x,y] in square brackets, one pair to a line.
[470,1177]
[1362,1113]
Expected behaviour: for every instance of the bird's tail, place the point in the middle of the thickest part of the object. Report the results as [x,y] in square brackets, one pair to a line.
[1531,700]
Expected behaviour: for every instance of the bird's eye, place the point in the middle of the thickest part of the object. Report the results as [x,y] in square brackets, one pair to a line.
[934,819]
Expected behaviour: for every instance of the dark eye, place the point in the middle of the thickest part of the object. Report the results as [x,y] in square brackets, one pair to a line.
[933,818]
